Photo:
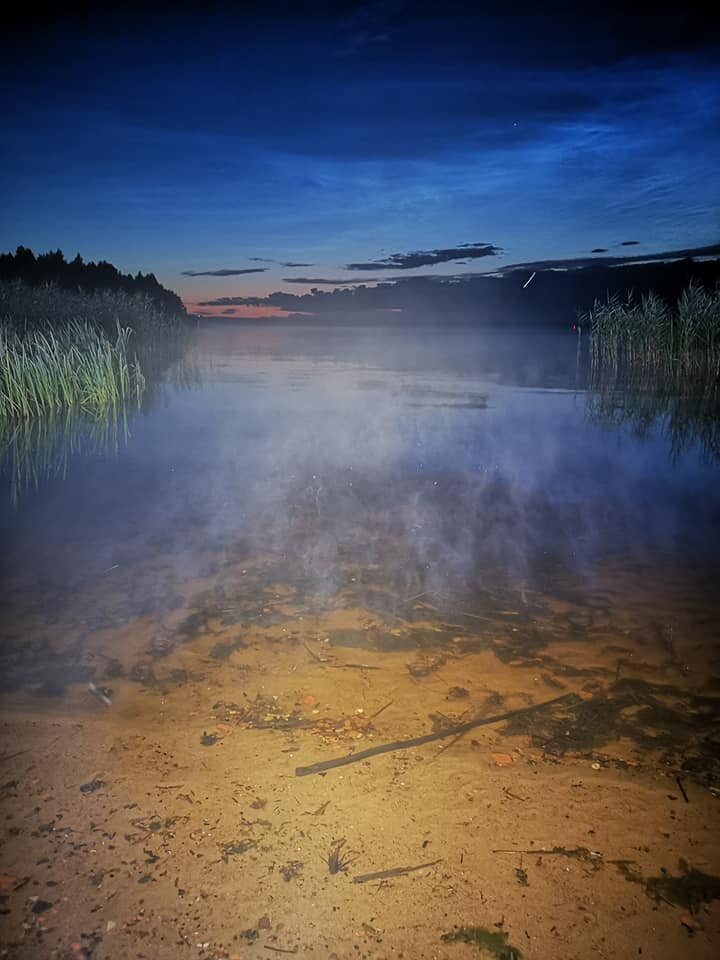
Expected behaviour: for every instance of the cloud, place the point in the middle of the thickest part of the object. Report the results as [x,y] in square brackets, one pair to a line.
[236,301]
[222,273]
[323,282]
[712,250]
[599,250]
[427,258]
[283,263]
[630,243]
[229,311]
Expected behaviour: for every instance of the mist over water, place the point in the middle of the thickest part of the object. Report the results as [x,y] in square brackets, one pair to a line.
[353,462]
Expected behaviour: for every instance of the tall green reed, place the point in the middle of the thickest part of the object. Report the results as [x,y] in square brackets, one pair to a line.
[43,370]
[681,342]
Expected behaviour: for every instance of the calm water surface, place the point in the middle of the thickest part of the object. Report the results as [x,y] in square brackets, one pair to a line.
[454,479]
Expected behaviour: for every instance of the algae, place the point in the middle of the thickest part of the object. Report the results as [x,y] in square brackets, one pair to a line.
[689,889]
[494,943]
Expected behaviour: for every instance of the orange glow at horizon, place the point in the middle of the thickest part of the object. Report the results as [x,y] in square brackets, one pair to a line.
[238,313]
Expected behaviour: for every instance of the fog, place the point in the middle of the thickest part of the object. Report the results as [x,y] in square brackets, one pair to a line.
[453,463]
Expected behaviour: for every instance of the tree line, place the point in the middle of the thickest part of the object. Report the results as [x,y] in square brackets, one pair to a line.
[52,267]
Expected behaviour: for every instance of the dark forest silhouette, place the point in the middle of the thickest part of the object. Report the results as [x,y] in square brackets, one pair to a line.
[52,267]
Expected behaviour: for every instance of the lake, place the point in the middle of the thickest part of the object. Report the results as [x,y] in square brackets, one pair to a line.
[312,542]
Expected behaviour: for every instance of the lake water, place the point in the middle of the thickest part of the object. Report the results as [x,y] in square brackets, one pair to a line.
[313,541]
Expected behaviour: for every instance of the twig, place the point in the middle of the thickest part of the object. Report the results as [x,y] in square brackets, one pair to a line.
[430,737]
[315,656]
[378,712]
[582,853]
[446,746]
[679,782]
[392,872]
[355,666]
[280,949]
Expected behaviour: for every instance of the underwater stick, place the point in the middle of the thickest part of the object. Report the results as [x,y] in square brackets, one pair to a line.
[430,737]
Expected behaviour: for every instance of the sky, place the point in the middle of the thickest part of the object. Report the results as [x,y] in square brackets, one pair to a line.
[296,146]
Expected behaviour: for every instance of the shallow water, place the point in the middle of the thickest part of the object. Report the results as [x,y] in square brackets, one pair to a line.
[346,538]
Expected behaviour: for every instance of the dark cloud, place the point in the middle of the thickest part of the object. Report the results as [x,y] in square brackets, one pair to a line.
[427,258]
[630,243]
[229,311]
[712,250]
[323,282]
[599,250]
[261,259]
[222,273]
[291,264]
[236,301]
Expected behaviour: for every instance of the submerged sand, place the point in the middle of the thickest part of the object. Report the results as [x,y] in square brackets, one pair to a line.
[172,823]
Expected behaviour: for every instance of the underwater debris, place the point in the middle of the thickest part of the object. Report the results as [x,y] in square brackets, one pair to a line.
[290,870]
[593,857]
[92,785]
[430,737]
[103,694]
[337,860]
[236,848]
[690,889]
[223,650]
[494,943]
[425,666]
[393,872]
[40,906]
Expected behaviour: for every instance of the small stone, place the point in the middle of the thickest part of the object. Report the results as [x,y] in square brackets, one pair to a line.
[40,906]
[502,759]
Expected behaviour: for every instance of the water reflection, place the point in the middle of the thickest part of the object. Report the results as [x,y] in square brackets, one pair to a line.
[41,449]
[687,415]
[36,450]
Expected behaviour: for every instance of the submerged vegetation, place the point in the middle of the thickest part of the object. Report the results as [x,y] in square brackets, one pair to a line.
[493,943]
[681,341]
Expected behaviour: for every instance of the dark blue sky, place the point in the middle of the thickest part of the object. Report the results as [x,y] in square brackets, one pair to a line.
[331,135]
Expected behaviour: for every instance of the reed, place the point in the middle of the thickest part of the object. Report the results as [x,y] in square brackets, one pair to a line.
[682,341]
[43,370]
[62,349]
[23,307]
